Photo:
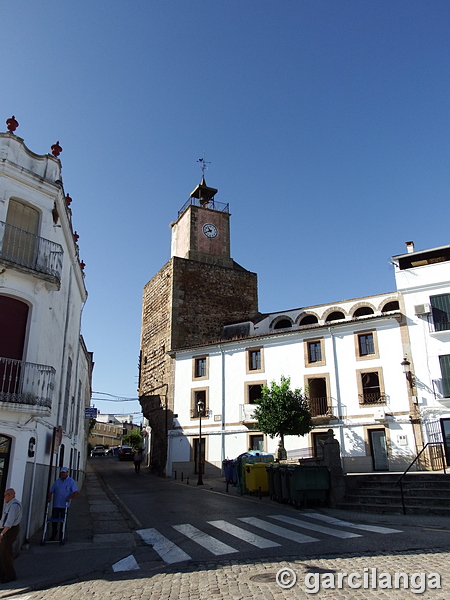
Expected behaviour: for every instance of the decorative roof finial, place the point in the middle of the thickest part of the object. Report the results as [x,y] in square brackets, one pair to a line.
[56,149]
[12,124]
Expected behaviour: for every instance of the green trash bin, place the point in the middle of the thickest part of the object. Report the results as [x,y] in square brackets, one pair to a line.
[285,484]
[308,484]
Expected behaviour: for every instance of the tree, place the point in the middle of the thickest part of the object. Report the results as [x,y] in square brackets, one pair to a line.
[282,411]
[133,438]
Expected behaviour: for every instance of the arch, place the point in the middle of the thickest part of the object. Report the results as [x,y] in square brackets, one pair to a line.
[391,305]
[308,319]
[334,313]
[362,311]
[281,322]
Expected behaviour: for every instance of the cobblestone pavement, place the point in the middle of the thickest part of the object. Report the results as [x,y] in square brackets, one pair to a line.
[241,580]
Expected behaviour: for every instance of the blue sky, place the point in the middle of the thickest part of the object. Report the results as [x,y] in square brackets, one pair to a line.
[327,124]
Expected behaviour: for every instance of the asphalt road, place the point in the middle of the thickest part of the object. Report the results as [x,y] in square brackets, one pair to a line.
[178,522]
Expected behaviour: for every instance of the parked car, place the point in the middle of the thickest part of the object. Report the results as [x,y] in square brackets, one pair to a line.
[98,451]
[126,453]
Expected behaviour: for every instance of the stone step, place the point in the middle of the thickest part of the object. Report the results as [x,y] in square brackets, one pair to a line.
[392,499]
[396,508]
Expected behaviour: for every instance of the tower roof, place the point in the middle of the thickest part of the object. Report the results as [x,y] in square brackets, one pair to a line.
[204,193]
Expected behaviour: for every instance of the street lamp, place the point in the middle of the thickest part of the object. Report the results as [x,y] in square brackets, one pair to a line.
[406,365]
[200,407]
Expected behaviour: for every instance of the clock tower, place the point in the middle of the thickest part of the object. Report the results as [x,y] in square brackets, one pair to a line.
[187,303]
[202,231]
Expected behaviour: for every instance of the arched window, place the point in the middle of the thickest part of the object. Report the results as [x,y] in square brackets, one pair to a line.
[282,324]
[393,305]
[309,320]
[362,311]
[335,316]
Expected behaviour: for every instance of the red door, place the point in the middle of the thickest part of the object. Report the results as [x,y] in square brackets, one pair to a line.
[13,327]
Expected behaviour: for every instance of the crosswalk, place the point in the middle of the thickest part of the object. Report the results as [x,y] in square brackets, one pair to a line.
[281,527]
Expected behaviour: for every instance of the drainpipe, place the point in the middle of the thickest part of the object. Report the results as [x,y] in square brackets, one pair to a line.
[63,357]
[223,406]
[338,395]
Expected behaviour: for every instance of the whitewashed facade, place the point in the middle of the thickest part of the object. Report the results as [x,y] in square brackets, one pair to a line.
[423,281]
[349,358]
[45,368]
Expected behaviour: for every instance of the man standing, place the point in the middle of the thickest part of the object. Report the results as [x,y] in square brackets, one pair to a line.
[64,489]
[12,513]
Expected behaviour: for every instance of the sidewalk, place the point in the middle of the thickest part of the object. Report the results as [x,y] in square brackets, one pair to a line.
[100,533]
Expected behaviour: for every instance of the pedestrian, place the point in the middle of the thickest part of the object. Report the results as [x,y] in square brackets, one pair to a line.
[12,514]
[137,460]
[63,490]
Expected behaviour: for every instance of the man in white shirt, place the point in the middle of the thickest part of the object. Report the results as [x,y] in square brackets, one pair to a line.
[12,514]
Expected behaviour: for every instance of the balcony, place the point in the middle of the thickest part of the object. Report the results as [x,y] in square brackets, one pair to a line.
[371,398]
[321,410]
[30,252]
[246,413]
[27,387]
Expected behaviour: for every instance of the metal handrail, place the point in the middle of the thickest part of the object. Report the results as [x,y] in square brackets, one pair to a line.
[399,480]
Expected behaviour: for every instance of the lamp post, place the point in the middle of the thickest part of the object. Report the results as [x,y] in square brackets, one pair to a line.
[200,407]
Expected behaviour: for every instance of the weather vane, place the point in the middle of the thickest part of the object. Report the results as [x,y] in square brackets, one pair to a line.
[203,163]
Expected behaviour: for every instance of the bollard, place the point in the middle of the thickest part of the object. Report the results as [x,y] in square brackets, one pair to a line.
[260,494]
[227,486]
[187,480]
[182,476]
[175,475]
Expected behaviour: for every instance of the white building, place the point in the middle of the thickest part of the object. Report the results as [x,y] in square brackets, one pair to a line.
[348,357]
[423,280]
[45,368]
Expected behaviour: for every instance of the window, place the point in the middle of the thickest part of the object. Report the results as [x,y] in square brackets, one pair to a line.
[371,387]
[393,305]
[335,316]
[256,442]
[314,352]
[441,311]
[20,236]
[317,391]
[445,370]
[199,395]
[366,345]
[282,324]
[255,360]
[200,367]
[365,342]
[253,391]
[362,311]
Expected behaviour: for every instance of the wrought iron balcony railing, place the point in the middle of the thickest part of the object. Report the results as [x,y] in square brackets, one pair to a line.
[30,251]
[320,407]
[26,383]
[369,398]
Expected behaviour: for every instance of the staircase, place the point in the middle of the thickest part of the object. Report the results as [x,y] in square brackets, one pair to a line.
[424,493]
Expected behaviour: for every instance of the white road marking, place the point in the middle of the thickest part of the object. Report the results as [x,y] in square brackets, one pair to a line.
[315,527]
[167,550]
[203,539]
[242,534]
[333,521]
[281,531]
[126,564]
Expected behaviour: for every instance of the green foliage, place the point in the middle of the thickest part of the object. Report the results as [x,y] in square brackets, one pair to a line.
[282,411]
[92,423]
[133,438]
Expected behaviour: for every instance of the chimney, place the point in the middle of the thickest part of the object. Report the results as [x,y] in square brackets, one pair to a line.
[410,247]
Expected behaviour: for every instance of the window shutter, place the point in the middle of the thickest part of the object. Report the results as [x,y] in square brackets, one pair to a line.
[445,370]
[441,311]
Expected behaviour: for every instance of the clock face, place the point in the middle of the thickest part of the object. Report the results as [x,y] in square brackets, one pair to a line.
[210,230]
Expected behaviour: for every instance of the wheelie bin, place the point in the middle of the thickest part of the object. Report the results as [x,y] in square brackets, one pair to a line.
[256,478]
[308,484]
